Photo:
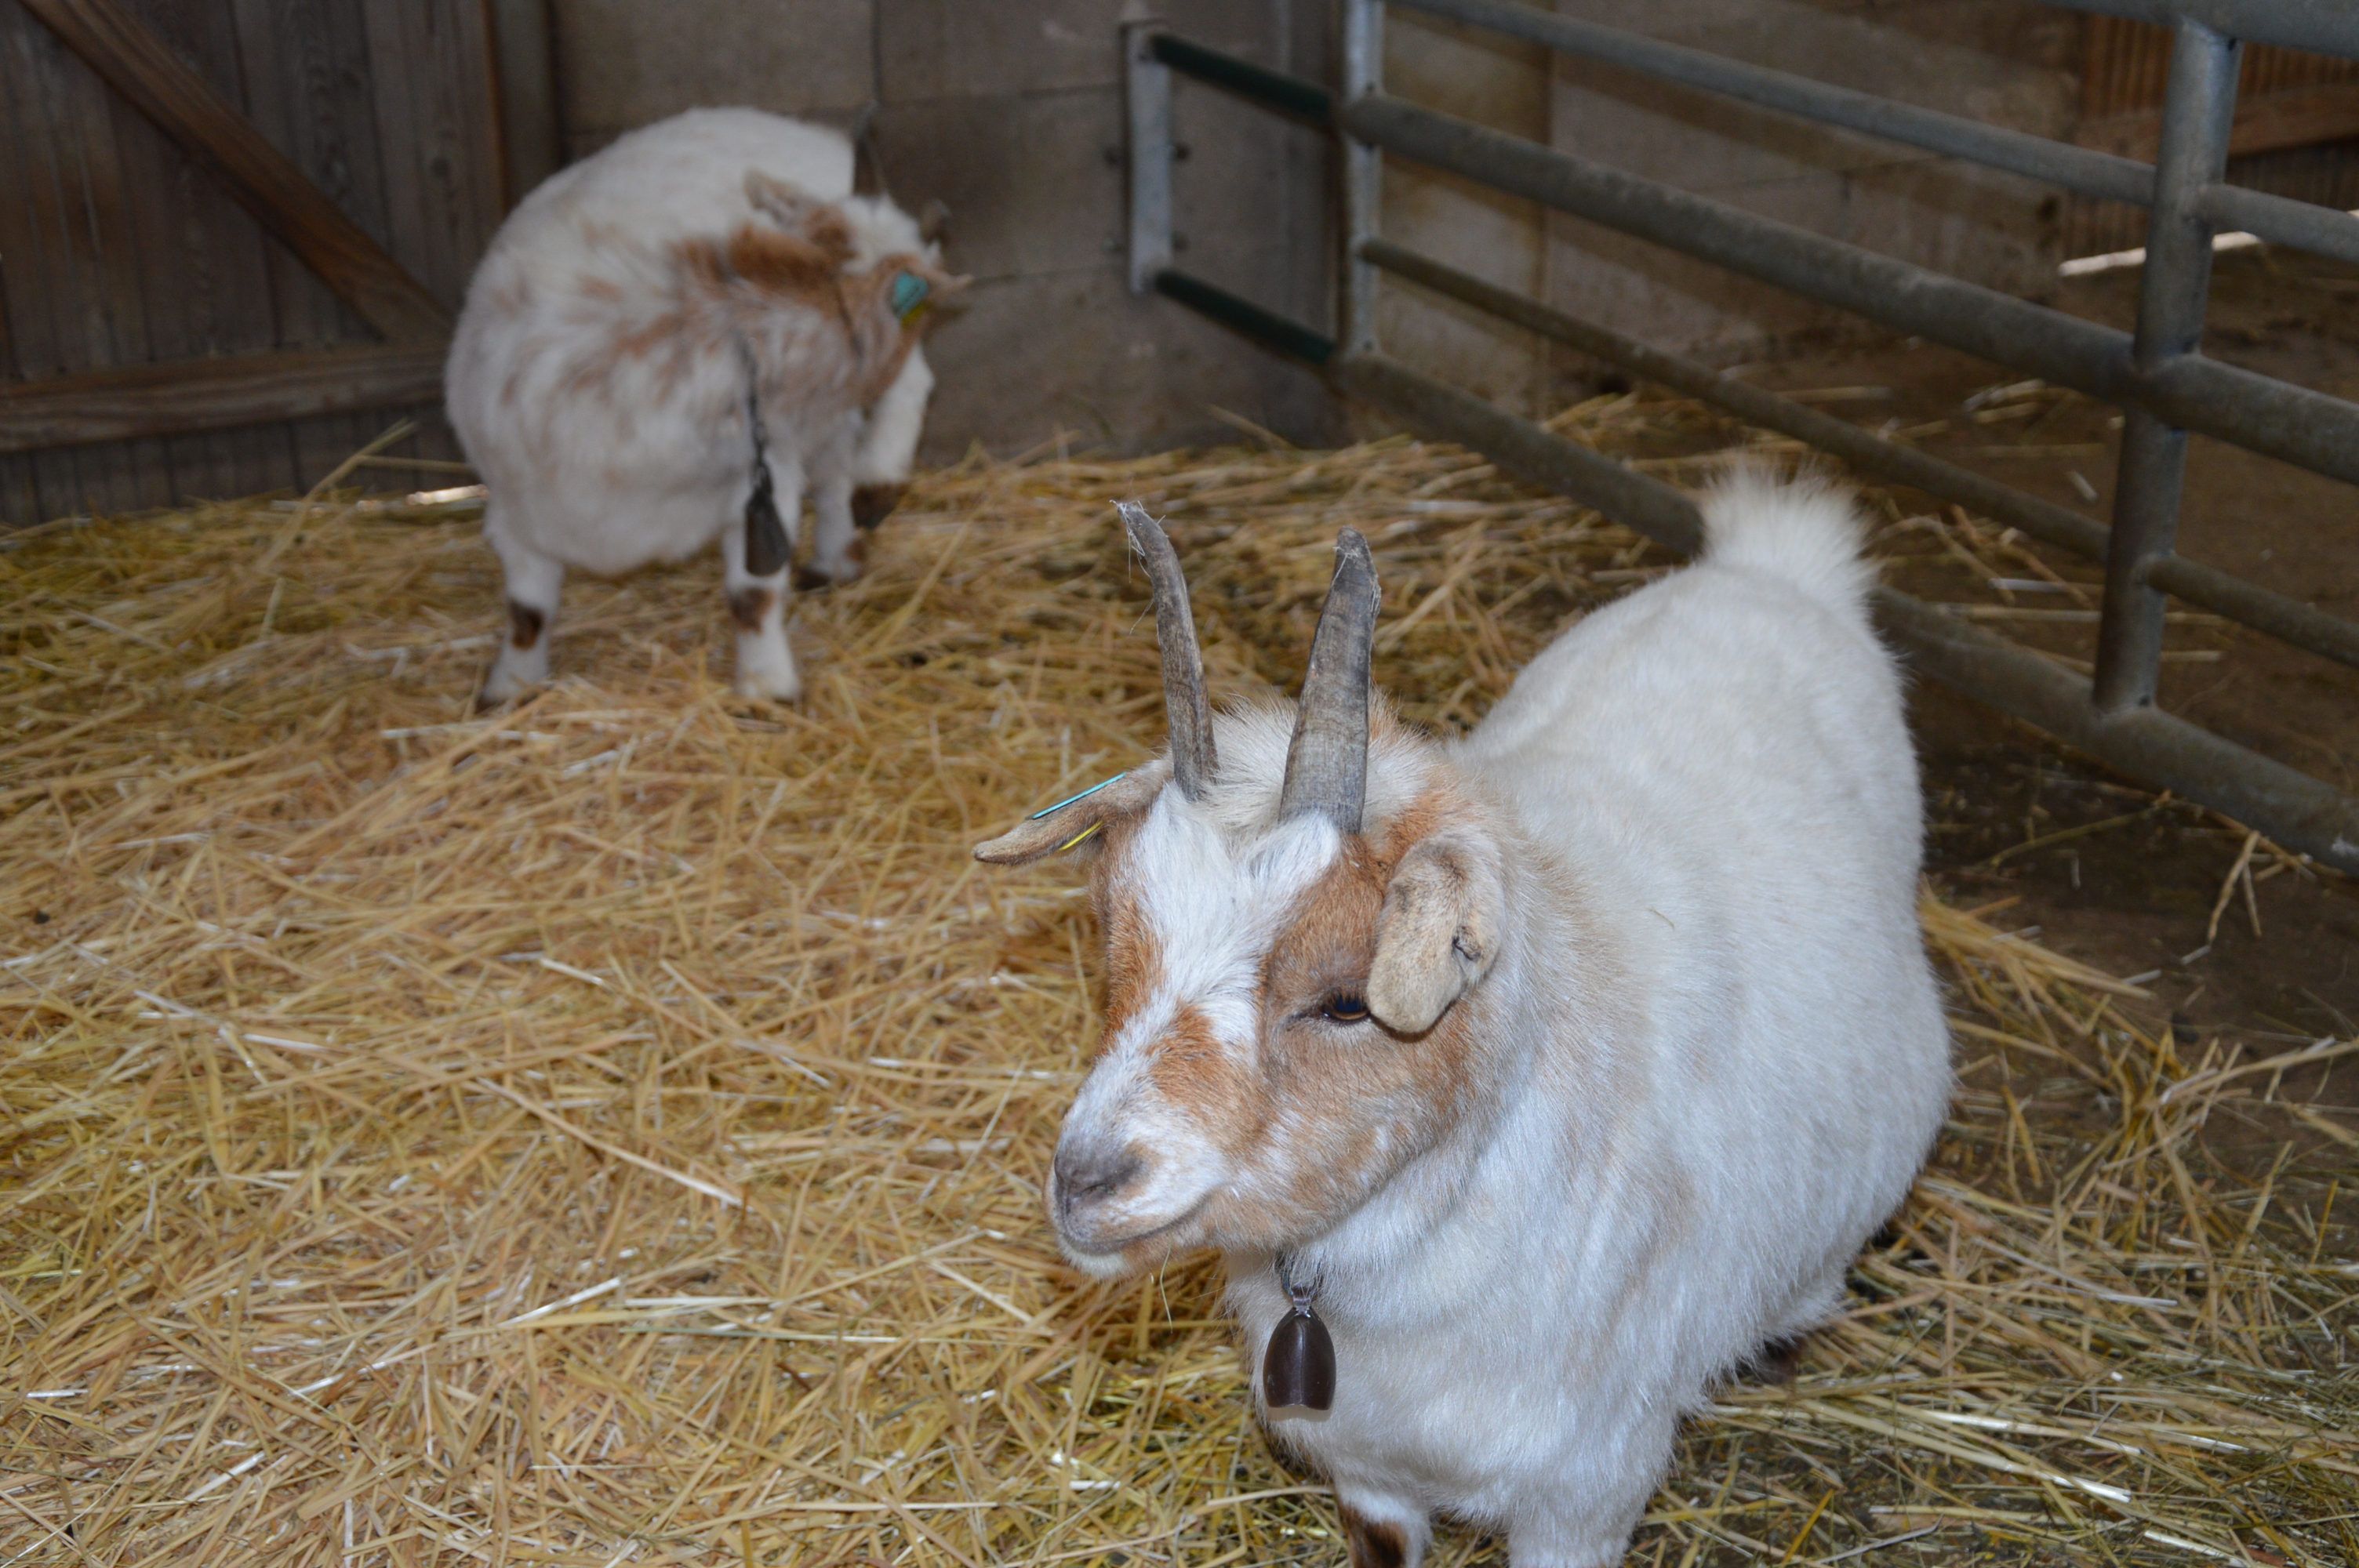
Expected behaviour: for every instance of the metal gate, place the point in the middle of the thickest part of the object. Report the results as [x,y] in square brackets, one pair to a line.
[2163,385]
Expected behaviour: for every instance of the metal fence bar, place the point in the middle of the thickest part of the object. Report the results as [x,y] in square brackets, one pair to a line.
[2157,373]
[2321,230]
[1273,329]
[2290,806]
[2300,427]
[1147,104]
[2082,169]
[1364,171]
[2199,105]
[2274,613]
[2279,219]
[1270,89]
[2288,620]
[2324,27]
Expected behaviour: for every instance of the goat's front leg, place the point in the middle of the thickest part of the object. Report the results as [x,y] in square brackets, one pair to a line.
[765,666]
[836,546]
[534,583]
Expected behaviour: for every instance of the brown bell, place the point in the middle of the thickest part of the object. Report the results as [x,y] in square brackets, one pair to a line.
[1299,1368]
[766,531]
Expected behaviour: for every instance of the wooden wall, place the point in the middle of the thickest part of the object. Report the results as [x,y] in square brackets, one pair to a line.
[120,249]
[2296,128]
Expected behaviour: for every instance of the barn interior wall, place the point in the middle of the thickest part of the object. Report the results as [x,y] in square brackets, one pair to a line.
[2011,62]
[2007,62]
[118,249]
[1010,111]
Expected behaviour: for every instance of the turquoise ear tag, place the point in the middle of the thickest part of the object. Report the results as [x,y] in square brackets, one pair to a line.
[1083,796]
[909,293]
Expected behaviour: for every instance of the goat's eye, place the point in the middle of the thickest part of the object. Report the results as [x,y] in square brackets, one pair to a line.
[1344,1007]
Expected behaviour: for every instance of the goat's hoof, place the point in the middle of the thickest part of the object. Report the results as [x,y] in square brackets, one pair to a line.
[499,691]
[770,687]
[835,571]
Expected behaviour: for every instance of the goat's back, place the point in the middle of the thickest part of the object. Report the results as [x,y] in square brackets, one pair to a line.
[1719,766]
[607,421]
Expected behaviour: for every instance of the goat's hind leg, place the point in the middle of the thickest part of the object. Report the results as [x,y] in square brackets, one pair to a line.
[1381,1533]
[765,666]
[534,584]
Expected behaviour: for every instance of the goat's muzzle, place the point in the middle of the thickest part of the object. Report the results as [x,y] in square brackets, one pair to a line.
[1085,1183]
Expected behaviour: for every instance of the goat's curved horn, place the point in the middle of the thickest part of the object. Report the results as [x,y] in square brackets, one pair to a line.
[1193,759]
[1327,763]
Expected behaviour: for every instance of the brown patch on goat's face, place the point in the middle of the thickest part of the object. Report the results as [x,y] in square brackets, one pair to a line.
[749,607]
[1195,1073]
[1134,954]
[872,504]
[525,625]
[1311,1114]
[1373,1545]
[1350,1100]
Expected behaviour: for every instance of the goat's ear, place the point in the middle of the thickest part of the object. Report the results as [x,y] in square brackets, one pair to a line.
[1075,821]
[933,221]
[787,206]
[1439,933]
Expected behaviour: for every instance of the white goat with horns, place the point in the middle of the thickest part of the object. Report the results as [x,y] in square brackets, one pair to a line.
[1559,1070]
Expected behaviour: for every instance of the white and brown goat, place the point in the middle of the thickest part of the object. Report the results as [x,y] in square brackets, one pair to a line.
[700,306]
[1558,1069]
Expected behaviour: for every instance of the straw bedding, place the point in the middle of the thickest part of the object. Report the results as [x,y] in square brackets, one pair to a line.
[607,1131]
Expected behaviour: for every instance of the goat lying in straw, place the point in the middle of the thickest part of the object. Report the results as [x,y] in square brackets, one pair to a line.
[1559,1069]
[645,363]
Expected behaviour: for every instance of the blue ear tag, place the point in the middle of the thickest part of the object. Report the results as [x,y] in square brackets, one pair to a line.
[909,292]
[1083,796]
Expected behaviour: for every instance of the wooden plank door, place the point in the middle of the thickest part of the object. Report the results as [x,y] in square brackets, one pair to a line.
[233,233]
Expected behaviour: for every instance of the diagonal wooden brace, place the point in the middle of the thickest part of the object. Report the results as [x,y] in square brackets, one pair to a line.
[130,57]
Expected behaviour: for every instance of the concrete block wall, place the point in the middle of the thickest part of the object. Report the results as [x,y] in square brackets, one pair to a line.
[1010,111]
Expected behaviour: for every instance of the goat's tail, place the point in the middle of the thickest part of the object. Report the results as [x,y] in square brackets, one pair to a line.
[1805,530]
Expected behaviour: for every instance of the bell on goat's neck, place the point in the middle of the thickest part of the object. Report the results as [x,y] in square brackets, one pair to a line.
[766,533]
[1298,1370]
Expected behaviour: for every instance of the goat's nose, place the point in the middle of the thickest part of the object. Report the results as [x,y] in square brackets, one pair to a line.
[1087,1175]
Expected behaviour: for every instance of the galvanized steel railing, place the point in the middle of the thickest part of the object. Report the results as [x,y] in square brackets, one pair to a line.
[2157,374]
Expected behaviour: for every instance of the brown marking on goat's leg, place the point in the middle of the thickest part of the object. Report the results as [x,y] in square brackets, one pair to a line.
[1373,1545]
[872,504]
[749,606]
[525,625]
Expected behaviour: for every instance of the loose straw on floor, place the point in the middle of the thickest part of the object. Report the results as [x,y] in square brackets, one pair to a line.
[607,1131]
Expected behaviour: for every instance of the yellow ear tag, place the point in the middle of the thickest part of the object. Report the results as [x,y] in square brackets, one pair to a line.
[1077,838]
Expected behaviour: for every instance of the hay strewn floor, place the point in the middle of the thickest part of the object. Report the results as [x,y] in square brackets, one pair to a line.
[608,1131]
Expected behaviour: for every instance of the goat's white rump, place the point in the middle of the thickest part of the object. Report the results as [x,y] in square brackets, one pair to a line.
[1574,1078]
[600,371]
